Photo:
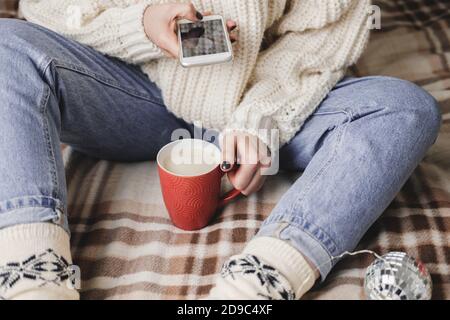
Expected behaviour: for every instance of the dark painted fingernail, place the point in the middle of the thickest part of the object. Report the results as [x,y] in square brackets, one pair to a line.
[232,28]
[226,166]
[199,16]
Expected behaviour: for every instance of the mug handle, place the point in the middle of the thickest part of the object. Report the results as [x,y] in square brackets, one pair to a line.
[229,196]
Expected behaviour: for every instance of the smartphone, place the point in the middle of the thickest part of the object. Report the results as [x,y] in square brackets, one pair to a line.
[204,42]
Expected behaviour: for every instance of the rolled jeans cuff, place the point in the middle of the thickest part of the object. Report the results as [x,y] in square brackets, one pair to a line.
[33,209]
[302,240]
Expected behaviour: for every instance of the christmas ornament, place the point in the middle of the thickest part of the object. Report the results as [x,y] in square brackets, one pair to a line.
[397,276]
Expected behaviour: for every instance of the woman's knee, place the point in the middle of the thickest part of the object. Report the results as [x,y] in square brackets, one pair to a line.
[13,30]
[410,106]
[17,46]
[22,70]
[20,29]
[21,40]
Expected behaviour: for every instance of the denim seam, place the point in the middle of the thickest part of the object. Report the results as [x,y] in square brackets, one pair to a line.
[50,150]
[297,203]
[308,227]
[308,187]
[23,205]
[331,112]
[105,81]
[43,66]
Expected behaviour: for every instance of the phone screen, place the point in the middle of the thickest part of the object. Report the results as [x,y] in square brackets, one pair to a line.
[203,38]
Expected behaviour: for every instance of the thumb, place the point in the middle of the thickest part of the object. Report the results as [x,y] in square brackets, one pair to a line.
[184,11]
[188,11]
[228,152]
[171,44]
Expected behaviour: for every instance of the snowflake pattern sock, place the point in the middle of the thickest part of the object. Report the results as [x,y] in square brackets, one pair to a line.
[35,263]
[268,268]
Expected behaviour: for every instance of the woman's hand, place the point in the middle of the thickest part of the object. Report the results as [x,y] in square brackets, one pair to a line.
[160,24]
[243,158]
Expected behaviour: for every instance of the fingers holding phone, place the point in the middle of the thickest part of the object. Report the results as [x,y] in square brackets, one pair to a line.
[231,27]
[204,42]
[160,24]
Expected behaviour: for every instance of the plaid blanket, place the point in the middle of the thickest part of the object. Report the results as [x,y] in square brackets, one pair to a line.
[8,8]
[127,248]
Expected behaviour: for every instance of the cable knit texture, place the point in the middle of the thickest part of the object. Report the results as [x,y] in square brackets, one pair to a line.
[34,263]
[310,43]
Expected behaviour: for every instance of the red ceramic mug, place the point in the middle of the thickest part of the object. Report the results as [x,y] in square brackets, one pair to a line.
[191,178]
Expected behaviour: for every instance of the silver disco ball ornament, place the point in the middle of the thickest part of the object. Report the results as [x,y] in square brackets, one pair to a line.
[397,276]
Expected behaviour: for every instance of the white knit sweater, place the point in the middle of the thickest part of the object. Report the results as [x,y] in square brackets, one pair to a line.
[308,46]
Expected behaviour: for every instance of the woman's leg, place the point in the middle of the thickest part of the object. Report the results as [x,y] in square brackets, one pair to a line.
[54,90]
[356,151]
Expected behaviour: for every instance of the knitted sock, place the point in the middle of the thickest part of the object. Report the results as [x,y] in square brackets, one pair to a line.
[34,263]
[268,268]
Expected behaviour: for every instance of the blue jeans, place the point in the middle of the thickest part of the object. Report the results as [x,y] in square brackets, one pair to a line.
[356,151]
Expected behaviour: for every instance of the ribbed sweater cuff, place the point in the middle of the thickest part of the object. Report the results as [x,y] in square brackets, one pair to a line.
[256,125]
[287,260]
[132,35]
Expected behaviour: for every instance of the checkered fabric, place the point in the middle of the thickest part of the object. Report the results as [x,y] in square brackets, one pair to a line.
[127,247]
[8,8]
